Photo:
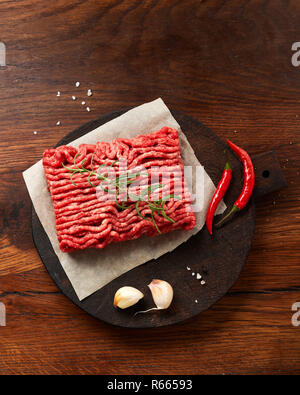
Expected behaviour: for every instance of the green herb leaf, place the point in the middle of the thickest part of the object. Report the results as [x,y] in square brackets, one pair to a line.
[156,206]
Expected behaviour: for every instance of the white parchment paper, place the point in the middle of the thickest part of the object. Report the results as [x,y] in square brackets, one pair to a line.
[91,269]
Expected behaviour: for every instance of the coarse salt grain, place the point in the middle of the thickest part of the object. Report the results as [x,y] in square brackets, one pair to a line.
[83,103]
[88,109]
[198,276]
[188,268]
[77,84]
[193,274]
[58,94]
[196,300]
[35,132]
[89,92]
[202,282]
[73,97]
[58,123]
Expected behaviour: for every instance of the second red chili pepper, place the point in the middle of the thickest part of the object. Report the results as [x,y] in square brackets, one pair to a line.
[218,195]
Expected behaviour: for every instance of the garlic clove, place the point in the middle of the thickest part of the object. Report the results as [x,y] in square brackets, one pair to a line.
[162,293]
[126,297]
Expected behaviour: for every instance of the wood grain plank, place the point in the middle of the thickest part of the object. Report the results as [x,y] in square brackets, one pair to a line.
[214,340]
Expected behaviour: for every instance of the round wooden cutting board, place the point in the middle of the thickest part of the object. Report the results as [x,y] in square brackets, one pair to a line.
[219,259]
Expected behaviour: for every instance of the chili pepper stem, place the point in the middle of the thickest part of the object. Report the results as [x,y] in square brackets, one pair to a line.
[227,164]
[234,210]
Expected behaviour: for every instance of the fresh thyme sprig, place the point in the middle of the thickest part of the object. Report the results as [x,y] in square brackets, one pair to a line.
[82,169]
[156,206]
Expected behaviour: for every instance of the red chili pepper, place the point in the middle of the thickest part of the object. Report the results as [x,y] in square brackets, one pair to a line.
[249,181]
[218,195]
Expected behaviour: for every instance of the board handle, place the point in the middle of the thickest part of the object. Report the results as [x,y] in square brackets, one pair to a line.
[269,176]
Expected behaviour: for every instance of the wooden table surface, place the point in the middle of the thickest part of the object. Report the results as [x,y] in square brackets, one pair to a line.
[226,63]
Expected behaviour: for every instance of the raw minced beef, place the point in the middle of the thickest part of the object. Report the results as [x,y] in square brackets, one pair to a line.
[86,216]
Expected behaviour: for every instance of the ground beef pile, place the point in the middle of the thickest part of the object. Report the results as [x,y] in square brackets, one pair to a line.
[88,215]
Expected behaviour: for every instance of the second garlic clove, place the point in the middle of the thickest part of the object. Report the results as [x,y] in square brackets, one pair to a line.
[162,293]
[126,297]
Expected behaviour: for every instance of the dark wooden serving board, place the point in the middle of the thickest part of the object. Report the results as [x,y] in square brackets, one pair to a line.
[219,259]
